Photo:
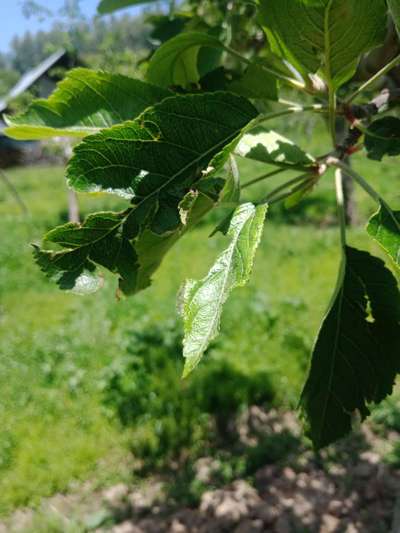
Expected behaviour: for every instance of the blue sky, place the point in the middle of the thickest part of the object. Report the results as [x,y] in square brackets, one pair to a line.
[14,22]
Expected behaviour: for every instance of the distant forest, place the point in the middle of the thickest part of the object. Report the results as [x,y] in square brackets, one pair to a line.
[114,43]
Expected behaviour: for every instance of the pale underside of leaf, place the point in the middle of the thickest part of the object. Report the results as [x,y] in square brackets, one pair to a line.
[202,301]
[84,103]
[383,138]
[328,36]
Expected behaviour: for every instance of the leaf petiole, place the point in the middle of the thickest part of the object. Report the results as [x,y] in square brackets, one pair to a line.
[393,63]
[264,177]
[296,84]
[335,162]
[340,205]
[298,183]
[295,108]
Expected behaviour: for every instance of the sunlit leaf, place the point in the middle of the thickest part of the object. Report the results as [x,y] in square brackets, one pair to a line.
[328,36]
[256,82]
[202,301]
[85,102]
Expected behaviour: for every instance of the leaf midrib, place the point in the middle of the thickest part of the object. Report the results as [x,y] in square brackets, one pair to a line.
[214,320]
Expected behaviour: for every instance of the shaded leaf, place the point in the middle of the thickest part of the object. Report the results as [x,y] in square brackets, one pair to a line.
[175,62]
[70,270]
[384,227]
[357,353]
[103,240]
[202,301]
[268,146]
[157,158]
[324,35]
[383,138]
[109,6]
[294,199]
[85,102]
[256,83]
[394,8]
[152,248]
[164,27]
[159,162]
[186,205]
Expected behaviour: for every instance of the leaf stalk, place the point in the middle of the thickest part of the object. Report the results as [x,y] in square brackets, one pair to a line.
[296,84]
[387,68]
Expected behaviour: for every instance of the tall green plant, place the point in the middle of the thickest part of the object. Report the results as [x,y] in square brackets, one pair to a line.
[168,147]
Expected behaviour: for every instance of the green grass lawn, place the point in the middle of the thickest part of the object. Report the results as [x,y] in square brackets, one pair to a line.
[54,346]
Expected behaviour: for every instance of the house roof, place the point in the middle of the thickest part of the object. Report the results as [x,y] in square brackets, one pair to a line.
[31,77]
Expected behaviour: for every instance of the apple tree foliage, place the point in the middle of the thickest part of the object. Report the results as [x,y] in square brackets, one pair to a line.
[168,146]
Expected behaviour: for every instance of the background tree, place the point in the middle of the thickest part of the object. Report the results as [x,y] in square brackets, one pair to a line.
[168,147]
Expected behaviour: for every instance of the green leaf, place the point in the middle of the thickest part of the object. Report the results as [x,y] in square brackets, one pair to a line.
[202,301]
[384,227]
[104,240]
[85,102]
[383,138]
[175,62]
[70,270]
[99,240]
[157,158]
[256,83]
[230,194]
[158,161]
[394,8]
[152,248]
[356,355]
[109,6]
[268,146]
[324,35]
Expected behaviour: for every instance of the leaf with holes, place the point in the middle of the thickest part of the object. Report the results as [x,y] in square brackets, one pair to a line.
[356,355]
[104,240]
[159,162]
[85,102]
[384,227]
[326,36]
[202,301]
[156,159]
[99,240]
